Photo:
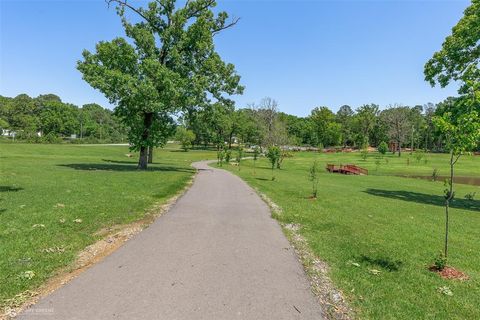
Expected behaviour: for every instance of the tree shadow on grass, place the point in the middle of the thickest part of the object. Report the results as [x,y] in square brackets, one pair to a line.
[436,200]
[134,162]
[381,262]
[120,161]
[122,167]
[9,189]
[2,210]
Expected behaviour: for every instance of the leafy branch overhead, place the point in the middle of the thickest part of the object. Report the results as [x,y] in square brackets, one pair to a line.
[459,58]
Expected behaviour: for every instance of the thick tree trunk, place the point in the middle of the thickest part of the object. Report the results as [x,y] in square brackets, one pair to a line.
[150,155]
[147,124]
[143,160]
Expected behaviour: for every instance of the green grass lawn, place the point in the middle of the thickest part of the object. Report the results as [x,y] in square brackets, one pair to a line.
[383,222]
[407,164]
[44,188]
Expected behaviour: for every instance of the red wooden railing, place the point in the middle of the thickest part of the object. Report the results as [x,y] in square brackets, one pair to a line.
[346,169]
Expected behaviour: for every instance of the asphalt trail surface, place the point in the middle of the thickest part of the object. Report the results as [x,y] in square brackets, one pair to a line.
[217,254]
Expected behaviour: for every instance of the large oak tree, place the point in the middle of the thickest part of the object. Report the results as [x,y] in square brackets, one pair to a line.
[168,64]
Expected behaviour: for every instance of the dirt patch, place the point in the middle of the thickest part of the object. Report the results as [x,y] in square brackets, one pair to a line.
[450,273]
[112,239]
[330,298]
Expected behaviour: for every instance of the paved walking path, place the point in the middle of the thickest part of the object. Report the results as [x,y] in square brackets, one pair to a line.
[216,254]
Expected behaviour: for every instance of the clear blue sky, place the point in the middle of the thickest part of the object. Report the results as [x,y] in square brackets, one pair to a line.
[302,53]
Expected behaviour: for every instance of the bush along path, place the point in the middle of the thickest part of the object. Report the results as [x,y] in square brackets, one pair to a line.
[217,254]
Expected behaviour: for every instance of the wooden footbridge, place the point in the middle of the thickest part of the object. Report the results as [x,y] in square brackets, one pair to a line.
[346,169]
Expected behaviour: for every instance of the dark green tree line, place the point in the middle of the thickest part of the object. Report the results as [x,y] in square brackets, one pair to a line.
[47,118]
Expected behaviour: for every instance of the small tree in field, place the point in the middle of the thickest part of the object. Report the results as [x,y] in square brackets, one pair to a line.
[185,137]
[461,134]
[383,148]
[228,155]
[255,157]
[273,156]
[364,154]
[457,61]
[314,177]
[220,156]
[283,154]
[239,156]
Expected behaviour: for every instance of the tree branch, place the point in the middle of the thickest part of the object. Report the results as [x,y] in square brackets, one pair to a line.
[124,3]
[231,24]
[194,13]
[456,159]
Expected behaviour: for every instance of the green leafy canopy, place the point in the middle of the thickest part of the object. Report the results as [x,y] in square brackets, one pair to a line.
[169,64]
[459,57]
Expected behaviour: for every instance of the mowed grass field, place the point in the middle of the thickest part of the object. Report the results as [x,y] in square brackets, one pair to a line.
[383,222]
[54,198]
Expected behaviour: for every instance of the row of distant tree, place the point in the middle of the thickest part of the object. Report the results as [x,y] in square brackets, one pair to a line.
[367,125]
[47,118]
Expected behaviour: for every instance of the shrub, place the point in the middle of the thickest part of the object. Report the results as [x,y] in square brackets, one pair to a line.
[239,156]
[283,154]
[419,155]
[320,147]
[228,156]
[440,262]
[256,153]
[470,196]
[91,139]
[51,138]
[220,157]
[364,154]
[435,174]
[383,147]
[273,156]
[186,137]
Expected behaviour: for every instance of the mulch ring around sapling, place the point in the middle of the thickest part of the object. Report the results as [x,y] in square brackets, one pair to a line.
[450,273]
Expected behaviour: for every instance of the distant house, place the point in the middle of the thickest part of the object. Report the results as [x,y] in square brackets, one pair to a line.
[8,133]
[13,134]
[393,146]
